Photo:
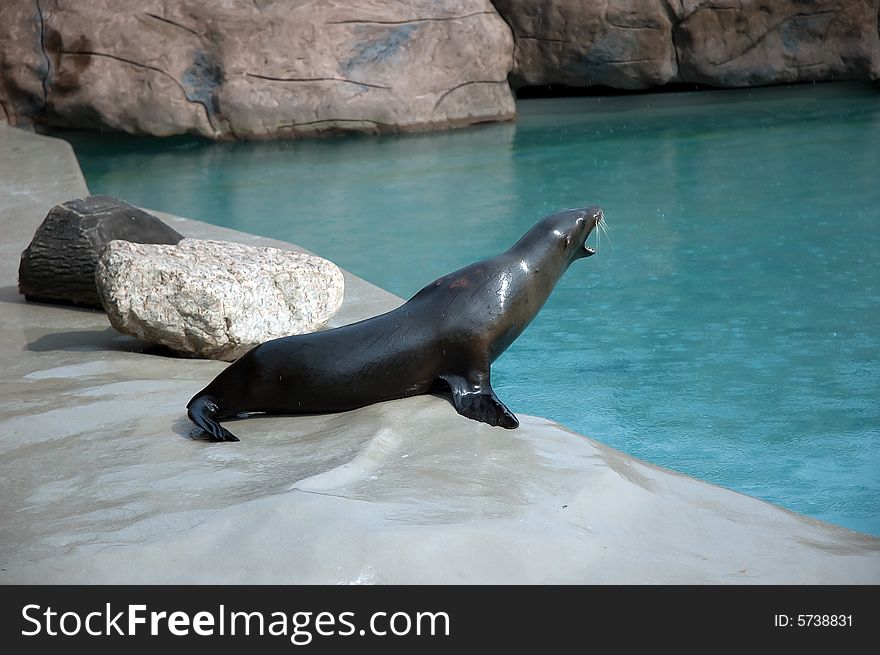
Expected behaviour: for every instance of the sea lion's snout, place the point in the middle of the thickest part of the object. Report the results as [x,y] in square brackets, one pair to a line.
[594,218]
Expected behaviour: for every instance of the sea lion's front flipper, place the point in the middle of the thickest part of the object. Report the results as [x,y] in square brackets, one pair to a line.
[485,407]
[477,400]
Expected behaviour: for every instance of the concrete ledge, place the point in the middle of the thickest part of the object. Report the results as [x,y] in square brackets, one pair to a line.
[100,482]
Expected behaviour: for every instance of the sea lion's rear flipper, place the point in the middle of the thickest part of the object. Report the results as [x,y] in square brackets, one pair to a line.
[477,401]
[203,411]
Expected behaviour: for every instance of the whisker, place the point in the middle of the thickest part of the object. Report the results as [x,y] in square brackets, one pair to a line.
[604,228]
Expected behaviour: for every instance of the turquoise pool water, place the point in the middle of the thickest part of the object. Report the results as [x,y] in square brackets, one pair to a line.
[730,331]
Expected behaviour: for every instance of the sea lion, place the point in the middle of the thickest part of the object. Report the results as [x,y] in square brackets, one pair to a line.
[447,335]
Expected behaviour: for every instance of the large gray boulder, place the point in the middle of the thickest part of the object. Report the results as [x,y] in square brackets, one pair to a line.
[58,266]
[752,42]
[215,299]
[625,44]
[245,69]
[633,44]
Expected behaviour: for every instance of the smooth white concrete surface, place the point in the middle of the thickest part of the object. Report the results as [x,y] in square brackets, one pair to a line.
[101,482]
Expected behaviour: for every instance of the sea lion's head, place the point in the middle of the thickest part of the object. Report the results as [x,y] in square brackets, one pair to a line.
[570,228]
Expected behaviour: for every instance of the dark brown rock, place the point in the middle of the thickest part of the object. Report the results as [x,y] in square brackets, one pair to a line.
[59,264]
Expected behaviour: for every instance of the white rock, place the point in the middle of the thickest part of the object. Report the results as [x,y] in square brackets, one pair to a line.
[215,299]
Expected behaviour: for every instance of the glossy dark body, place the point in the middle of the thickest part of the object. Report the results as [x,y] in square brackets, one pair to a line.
[448,334]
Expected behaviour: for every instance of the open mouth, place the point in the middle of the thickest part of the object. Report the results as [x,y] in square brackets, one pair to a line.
[598,228]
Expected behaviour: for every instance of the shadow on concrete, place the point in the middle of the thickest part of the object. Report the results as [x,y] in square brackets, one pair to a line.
[107,339]
[11,294]
[92,340]
[185,428]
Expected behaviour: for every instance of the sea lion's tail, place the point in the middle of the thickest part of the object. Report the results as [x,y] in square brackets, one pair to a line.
[203,411]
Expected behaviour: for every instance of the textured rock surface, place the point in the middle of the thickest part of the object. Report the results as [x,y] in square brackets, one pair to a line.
[215,299]
[625,44]
[634,44]
[774,41]
[59,263]
[249,69]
